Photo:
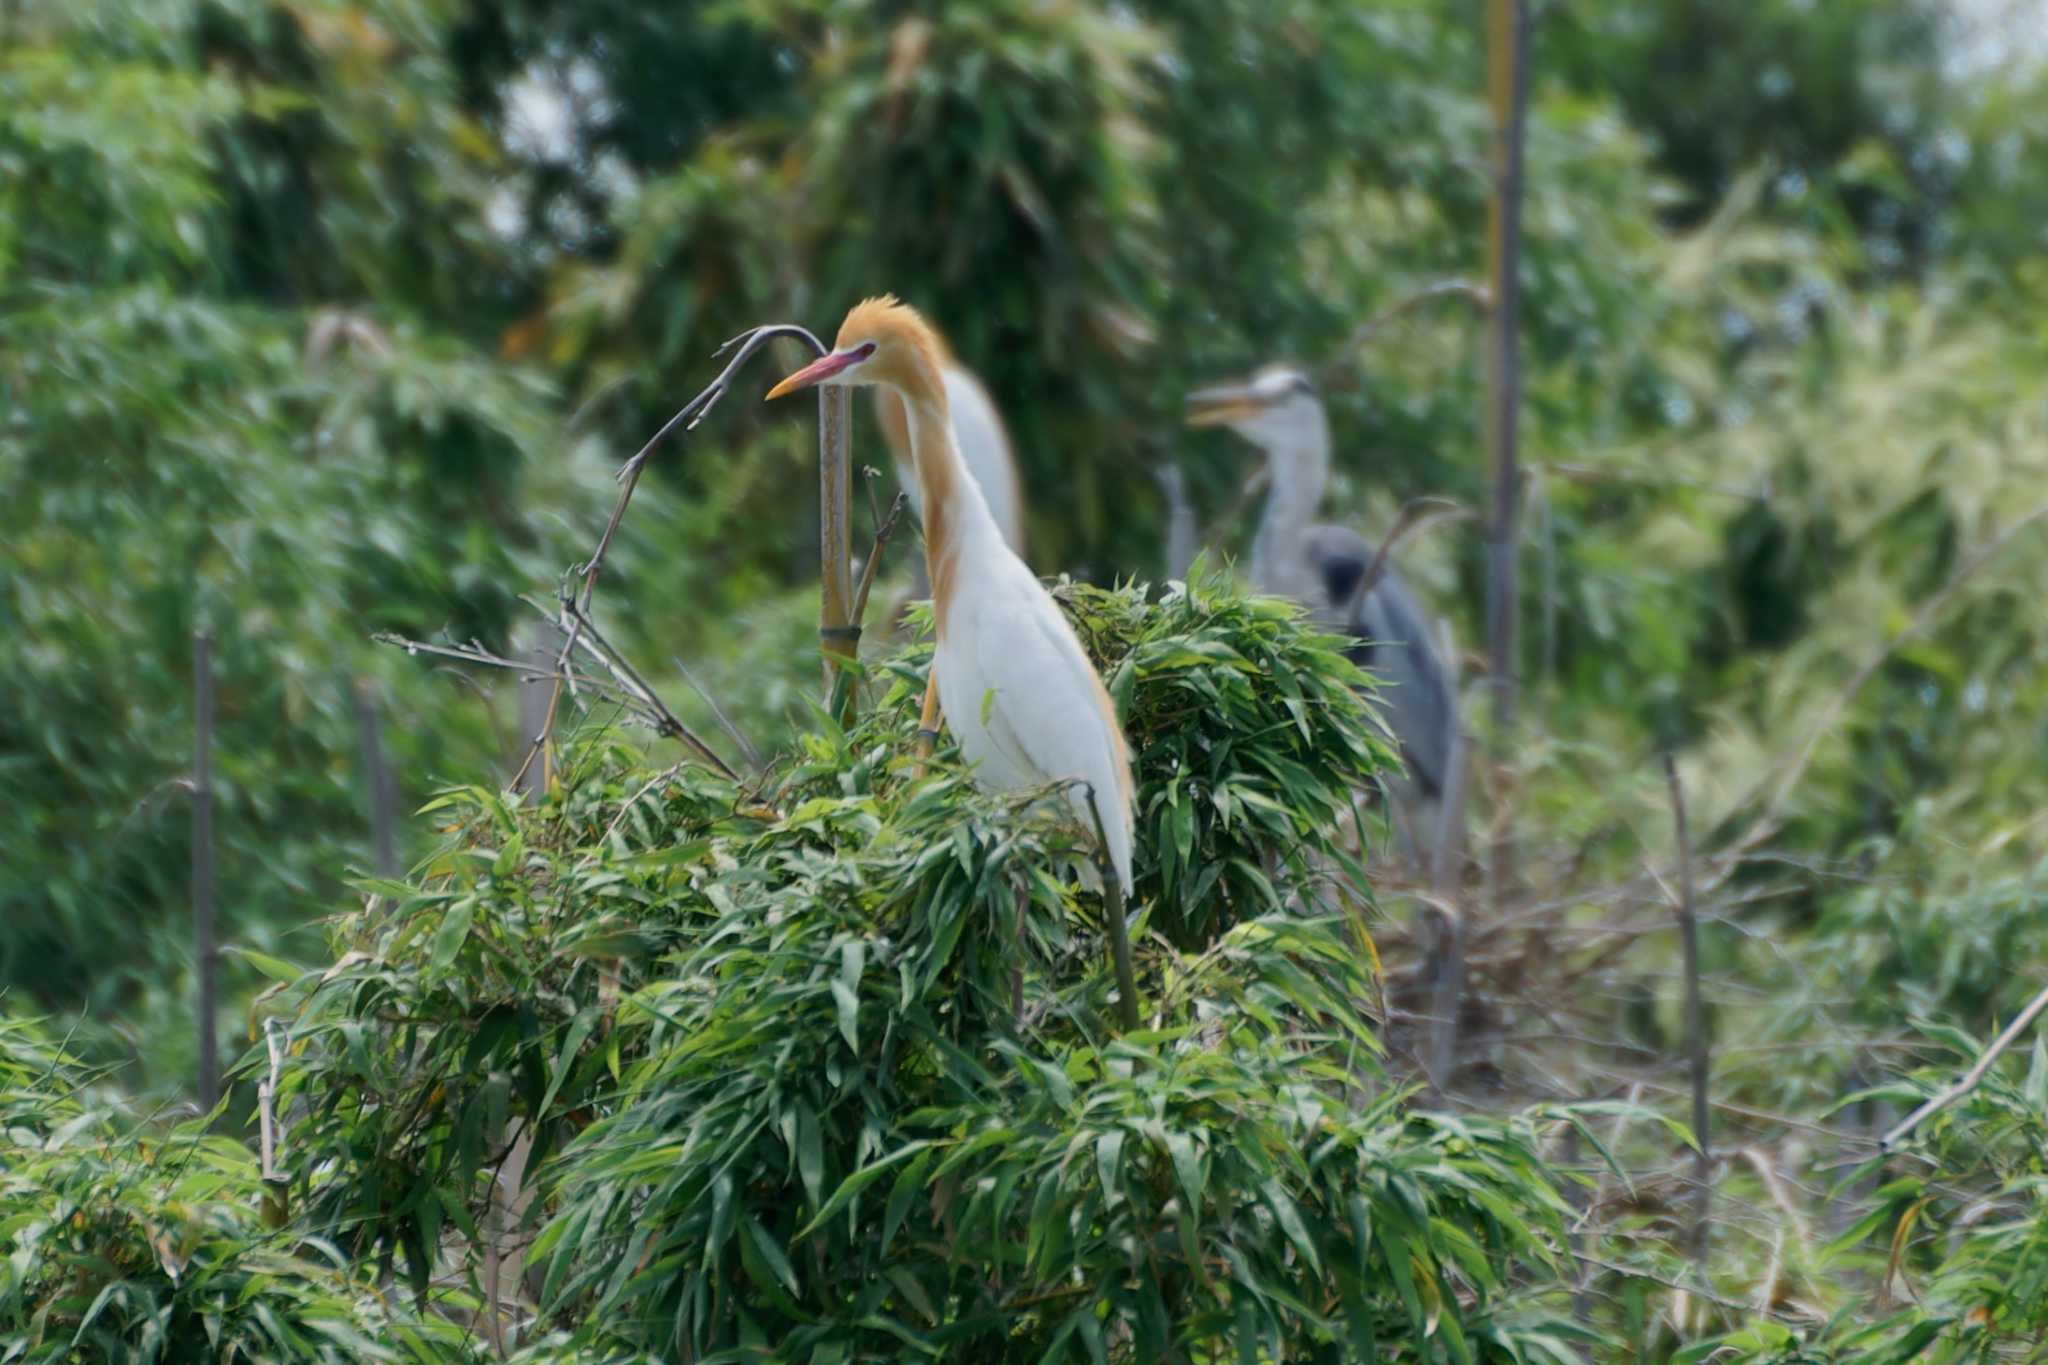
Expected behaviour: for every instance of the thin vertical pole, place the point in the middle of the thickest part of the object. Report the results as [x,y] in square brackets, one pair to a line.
[202,867]
[1695,1016]
[1449,993]
[1507,71]
[377,783]
[538,699]
[837,629]
[1575,1195]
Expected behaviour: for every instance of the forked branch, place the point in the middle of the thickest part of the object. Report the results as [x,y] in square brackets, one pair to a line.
[619,681]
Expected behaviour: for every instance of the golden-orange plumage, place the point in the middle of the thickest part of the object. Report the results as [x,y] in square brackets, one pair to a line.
[978,434]
[1017,689]
[886,318]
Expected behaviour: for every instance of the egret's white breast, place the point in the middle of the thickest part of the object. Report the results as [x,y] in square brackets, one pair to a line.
[974,696]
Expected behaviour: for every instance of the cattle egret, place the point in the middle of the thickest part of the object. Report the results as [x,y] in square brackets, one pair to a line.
[1324,566]
[1014,684]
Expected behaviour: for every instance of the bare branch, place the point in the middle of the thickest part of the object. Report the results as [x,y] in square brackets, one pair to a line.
[583,632]
[1578,473]
[1474,294]
[732,731]
[1240,506]
[1972,1077]
[622,684]
[868,570]
[1417,515]
[686,418]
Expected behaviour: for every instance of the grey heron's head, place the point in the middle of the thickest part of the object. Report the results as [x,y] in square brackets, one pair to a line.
[1277,409]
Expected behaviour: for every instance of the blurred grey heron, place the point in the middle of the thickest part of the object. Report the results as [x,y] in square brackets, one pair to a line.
[1325,568]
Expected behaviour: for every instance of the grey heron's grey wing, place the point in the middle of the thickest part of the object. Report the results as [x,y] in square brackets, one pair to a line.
[1398,646]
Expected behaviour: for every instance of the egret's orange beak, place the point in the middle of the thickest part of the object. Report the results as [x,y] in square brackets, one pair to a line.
[1222,405]
[819,370]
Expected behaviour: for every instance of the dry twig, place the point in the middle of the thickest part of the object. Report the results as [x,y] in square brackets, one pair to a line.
[1971,1078]
[733,732]
[686,418]
[1474,294]
[883,533]
[1417,515]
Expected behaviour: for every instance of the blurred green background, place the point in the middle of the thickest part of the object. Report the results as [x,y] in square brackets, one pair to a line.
[319,319]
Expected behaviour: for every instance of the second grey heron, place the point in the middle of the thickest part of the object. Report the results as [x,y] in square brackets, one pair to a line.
[1324,567]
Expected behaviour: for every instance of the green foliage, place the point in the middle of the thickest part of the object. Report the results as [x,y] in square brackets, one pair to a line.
[1855,105]
[1246,745]
[183,451]
[319,317]
[817,1154]
[1955,1241]
[825,1065]
[128,1243]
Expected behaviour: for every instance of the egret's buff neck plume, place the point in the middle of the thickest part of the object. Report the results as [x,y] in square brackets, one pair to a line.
[1016,687]
[886,342]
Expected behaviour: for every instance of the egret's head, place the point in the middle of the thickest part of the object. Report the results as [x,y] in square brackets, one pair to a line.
[881,342]
[1276,409]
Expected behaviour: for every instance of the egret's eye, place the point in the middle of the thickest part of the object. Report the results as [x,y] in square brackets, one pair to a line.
[1302,384]
[864,350]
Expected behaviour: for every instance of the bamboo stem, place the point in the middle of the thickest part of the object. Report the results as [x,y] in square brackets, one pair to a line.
[205,958]
[266,1103]
[377,782]
[1507,60]
[1120,947]
[837,627]
[1113,919]
[1695,1015]
[1449,994]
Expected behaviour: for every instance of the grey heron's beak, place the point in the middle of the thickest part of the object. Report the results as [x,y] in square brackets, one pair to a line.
[1222,405]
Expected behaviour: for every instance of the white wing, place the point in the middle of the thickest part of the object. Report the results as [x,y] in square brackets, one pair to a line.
[1050,705]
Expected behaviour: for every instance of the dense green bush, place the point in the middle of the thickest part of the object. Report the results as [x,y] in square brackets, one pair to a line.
[824,1064]
[279,461]
[129,1241]
[1951,1253]
[324,316]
